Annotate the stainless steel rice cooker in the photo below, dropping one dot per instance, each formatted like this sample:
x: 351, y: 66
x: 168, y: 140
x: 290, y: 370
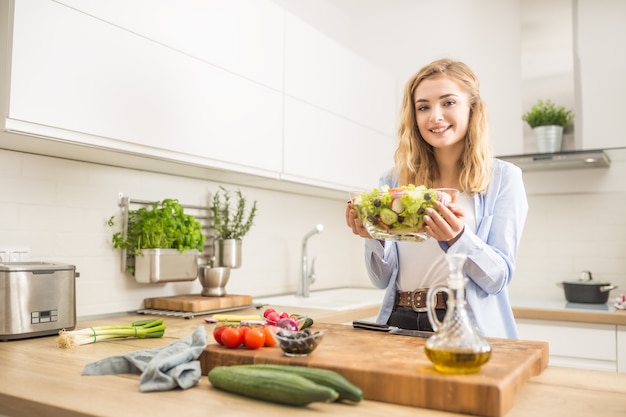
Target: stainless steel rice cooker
x: 38, y: 299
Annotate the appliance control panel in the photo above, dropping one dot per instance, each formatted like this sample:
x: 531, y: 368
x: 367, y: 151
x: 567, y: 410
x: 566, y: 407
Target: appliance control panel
x: 47, y: 316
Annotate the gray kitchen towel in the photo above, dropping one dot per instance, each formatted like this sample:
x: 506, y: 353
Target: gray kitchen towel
x: 162, y: 369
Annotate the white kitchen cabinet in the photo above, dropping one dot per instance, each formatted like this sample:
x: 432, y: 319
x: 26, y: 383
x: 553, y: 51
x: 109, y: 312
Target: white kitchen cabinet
x: 323, y: 73
x: 81, y: 79
x: 324, y: 149
x: 600, y: 71
x: 244, y: 37
x: 339, y: 113
x: 621, y: 348
x: 201, y: 84
x: 573, y: 344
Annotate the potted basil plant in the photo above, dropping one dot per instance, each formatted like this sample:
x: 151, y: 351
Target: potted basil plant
x: 547, y: 121
x: 162, y: 242
x: 233, y: 217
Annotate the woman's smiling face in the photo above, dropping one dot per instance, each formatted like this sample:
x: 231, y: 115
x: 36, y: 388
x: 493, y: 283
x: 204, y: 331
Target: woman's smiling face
x: 442, y: 111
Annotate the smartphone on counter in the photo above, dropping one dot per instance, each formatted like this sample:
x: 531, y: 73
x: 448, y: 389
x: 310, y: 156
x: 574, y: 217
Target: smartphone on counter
x: 370, y: 325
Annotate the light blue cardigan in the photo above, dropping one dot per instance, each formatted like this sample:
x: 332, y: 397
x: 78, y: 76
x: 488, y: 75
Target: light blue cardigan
x: 500, y: 216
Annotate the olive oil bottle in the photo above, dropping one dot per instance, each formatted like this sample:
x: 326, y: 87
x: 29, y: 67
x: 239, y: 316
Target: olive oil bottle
x: 460, y: 362
x: 457, y: 347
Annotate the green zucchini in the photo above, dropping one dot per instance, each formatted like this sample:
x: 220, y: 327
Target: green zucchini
x: 270, y: 385
x: 331, y: 379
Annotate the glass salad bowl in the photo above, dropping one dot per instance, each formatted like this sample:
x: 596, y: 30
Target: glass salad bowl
x: 398, y: 213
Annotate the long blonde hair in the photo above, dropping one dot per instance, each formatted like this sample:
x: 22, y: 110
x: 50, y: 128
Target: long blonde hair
x: 414, y: 158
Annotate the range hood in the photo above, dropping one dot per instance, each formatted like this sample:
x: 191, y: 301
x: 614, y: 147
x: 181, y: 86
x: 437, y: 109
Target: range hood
x: 560, y: 160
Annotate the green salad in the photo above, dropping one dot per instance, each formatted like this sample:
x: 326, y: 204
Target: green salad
x: 398, y: 212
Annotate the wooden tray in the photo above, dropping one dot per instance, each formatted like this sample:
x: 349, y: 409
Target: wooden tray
x: 394, y: 369
x: 197, y: 303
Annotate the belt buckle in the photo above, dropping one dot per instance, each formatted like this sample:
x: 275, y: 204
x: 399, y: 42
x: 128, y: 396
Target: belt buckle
x: 412, y: 301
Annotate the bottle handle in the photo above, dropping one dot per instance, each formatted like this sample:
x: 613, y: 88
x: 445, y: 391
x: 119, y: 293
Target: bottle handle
x: 431, y: 303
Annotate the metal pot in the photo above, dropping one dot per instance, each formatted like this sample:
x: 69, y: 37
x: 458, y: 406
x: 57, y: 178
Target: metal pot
x: 586, y: 290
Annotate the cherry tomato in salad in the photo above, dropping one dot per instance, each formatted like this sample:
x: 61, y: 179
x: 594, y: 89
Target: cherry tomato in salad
x: 232, y: 337
x: 254, y: 338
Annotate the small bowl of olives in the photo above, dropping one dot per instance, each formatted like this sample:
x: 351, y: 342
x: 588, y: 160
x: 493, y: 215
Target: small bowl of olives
x: 299, y: 343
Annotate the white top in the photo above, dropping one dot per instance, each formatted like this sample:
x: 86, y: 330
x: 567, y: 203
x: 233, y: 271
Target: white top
x: 413, y: 272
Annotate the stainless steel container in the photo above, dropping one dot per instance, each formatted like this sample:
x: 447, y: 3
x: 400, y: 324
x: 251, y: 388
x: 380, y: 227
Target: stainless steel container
x: 155, y: 266
x: 38, y: 299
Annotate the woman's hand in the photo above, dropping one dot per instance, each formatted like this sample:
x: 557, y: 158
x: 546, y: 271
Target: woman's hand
x: 354, y: 223
x: 447, y: 225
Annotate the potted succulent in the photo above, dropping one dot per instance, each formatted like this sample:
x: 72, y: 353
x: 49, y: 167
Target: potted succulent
x: 547, y: 121
x: 161, y: 241
x: 232, y: 219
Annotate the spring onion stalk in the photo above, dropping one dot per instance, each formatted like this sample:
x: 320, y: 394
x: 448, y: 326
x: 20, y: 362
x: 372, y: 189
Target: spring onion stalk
x: 139, y: 329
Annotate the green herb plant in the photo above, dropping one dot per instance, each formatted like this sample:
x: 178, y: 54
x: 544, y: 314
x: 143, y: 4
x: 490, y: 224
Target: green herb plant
x: 547, y: 114
x: 162, y: 225
x: 232, y: 220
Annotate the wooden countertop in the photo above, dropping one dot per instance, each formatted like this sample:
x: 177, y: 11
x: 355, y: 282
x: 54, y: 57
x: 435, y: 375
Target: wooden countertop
x: 556, y: 308
x: 40, y: 379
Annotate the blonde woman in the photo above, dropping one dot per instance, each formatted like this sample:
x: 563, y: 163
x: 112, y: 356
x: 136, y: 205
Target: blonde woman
x: 444, y: 144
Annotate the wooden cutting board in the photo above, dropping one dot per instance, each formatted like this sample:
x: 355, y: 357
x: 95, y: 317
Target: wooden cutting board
x: 195, y: 303
x: 394, y: 369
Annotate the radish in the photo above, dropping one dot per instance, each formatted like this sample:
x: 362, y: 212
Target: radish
x: 397, y: 206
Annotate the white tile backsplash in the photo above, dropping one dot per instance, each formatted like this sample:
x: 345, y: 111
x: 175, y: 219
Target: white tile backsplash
x: 568, y: 231
x: 59, y: 209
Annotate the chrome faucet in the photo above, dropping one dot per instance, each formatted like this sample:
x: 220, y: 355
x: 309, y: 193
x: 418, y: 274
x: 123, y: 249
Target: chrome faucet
x: 307, y: 277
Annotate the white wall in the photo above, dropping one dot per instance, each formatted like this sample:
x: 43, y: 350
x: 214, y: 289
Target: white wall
x: 575, y: 222
x: 59, y: 210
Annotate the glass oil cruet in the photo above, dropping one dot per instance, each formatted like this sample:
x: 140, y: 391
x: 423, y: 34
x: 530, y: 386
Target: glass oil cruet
x: 457, y: 347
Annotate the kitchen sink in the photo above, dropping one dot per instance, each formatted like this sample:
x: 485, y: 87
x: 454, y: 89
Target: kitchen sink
x: 338, y: 299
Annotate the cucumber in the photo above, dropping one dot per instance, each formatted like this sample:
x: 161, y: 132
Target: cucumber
x: 270, y: 385
x: 388, y: 216
x: 331, y: 379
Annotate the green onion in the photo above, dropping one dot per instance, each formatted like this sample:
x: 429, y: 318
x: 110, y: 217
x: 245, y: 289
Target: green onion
x: 139, y: 329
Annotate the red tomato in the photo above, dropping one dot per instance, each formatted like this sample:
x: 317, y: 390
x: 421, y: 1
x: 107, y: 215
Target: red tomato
x: 244, y: 330
x: 232, y: 337
x: 269, y: 338
x: 217, y: 333
x: 254, y: 338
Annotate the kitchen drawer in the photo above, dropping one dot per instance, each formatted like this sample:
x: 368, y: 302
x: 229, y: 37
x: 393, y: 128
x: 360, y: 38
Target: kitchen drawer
x: 583, y: 345
x: 621, y: 348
